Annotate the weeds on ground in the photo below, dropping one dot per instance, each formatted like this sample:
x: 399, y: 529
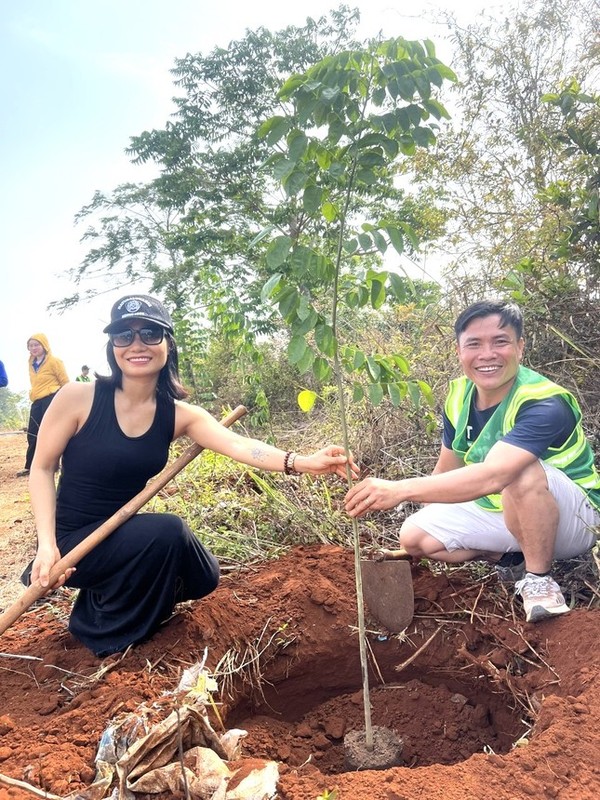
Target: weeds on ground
x: 243, y: 515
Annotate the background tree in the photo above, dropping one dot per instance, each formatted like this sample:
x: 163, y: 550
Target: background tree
x: 190, y: 234
x: 513, y: 169
x: 14, y: 409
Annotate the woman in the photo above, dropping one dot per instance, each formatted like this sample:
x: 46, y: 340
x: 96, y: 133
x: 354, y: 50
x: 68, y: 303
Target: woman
x: 47, y: 374
x: 112, y: 436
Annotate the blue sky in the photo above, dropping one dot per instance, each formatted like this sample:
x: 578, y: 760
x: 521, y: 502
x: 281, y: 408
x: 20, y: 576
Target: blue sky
x: 79, y: 78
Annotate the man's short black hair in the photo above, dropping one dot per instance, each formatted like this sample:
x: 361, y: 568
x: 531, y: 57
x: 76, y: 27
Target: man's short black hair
x: 509, y: 313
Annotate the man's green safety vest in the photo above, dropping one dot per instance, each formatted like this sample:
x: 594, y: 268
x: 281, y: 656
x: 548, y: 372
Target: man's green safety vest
x: 575, y: 457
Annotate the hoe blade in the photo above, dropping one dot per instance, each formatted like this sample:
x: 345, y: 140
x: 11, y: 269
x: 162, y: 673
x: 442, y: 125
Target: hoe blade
x: 388, y: 592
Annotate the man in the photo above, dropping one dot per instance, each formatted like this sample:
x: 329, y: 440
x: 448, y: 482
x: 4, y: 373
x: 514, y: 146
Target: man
x: 515, y: 481
x: 85, y: 375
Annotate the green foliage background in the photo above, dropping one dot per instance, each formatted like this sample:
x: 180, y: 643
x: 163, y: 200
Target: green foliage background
x: 503, y: 202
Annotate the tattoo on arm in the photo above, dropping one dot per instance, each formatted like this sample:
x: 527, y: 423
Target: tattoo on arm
x: 258, y: 454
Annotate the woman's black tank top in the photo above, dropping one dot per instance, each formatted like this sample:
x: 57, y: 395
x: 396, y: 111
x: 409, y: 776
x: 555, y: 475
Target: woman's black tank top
x: 102, y: 468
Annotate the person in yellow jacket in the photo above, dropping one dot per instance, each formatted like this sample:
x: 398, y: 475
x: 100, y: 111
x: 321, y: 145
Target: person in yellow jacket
x: 515, y: 482
x: 47, y: 374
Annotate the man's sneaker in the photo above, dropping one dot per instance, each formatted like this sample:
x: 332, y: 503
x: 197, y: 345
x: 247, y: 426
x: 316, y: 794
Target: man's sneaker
x: 510, y: 568
x: 542, y: 597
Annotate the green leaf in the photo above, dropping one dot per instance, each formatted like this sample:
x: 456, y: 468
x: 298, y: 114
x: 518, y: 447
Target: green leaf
x: 306, y: 400
x: 366, y: 176
x: 427, y: 393
x: 372, y: 158
x: 283, y: 168
x: 374, y: 368
x: 307, y: 324
x: 375, y: 392
x: 359, y: 359
x: 377, y: 294
x: 389, y: 145
x: 273, y: 129
x: 269, y: 288
x: 329, y: 211
x: 424, y: 137
x: 396, y: 239
x: 296, y: 349
x: 306, y: 361
x: 292, y: 83
x: 357, y: 393
x: 325, y: 339
x: 260, y: 236
x: 411, y: 235
x: 289, y: 300
x: 321, y: 369
x: 311, y: 199
x: 380, y: 241
x: 294, y: 182
x: 401, y: 363
x: 415, y: 394
x: 324, y: 159
x: 278, y: 251
x: 330, y: 93
x: 363, y: 296
x: 365, y: 241
x: 423, y: 84
x: 394, y: 394
x: 304, y: 308
x: 297, y: 144
x: 399, y: 286
x: 407, y: 145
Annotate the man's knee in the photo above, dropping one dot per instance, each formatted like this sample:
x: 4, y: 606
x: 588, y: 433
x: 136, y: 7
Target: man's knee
x: 530, y: 482
x: 413, y: 538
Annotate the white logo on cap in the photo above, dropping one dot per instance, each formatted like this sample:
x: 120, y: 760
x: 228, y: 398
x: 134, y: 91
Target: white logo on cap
x: 132, y: 306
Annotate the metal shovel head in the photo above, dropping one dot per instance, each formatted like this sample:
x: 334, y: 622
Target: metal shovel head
x: 388, y: 593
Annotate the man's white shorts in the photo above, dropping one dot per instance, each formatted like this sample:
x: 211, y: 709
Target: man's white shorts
x: 467, y: 526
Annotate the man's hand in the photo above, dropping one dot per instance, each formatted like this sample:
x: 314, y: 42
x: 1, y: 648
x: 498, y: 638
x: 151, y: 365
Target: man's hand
x: 373, y: 494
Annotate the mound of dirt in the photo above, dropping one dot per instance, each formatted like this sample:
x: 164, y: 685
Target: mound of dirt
x: 486, y: 706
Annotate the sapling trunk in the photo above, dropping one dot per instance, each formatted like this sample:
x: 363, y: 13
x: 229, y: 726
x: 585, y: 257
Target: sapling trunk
x: 364, y: 665
x: 360, y: 605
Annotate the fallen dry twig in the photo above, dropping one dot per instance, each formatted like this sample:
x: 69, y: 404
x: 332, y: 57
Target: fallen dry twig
x: 408, y: 661
x: 27, y: 787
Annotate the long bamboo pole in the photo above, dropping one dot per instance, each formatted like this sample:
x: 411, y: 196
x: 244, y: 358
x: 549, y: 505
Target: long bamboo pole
x: 74, y: 556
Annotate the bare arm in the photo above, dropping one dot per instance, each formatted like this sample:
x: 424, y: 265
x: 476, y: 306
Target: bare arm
x: 454, y: 485
x: 204, y: 429
x: 447, y: 461
x: 60, y: 423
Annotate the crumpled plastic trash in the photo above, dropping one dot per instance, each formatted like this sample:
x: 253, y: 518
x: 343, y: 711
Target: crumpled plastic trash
x: 204, y: 772
x: 180, y: 753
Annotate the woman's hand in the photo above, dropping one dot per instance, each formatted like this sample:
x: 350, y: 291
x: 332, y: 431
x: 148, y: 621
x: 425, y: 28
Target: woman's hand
x: 46, y: 557
x: 331, y: 459
x: 373, y: 494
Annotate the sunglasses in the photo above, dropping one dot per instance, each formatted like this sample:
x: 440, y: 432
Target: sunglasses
x: 125, y: 337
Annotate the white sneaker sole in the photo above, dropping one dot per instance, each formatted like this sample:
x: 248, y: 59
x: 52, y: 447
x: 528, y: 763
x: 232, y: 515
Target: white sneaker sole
x: 538, y: 613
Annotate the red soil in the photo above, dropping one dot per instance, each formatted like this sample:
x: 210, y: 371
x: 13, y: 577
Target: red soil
x: 491, y: 708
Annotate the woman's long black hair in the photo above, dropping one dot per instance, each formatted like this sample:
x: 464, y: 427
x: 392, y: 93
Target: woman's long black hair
x: 169, y: 382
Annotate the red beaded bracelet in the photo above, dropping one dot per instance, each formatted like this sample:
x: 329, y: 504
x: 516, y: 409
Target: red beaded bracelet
x: 288, y: 462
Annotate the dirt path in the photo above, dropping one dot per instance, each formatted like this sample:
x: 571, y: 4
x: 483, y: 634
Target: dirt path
x: 17, y: 537
x: 490, y: 709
